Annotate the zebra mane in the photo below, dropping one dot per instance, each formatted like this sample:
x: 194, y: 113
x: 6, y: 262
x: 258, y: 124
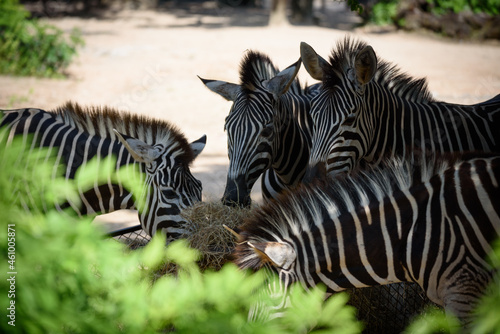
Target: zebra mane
x: 101, y: 121
x: 296, y: 211
x: 256, y: 67
x: 388, y: 75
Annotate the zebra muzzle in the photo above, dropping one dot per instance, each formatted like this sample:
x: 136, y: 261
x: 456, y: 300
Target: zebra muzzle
x: 236, y: 192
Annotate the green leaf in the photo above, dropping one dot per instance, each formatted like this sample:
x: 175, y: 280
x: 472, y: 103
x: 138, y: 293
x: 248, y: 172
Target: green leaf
x: 154, y: 253
x: 180, y: 253
x: 96, y: 171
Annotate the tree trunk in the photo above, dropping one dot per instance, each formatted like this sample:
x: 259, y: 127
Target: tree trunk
x: 302, y: 11
x: 278, y: 15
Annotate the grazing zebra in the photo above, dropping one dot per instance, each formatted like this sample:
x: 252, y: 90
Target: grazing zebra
x: 158, y: 150
x: 431, y: 223
x: 368, y: 108
x: 268, y: 128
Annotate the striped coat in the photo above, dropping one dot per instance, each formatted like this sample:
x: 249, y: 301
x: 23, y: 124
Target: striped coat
x: 156, y: 149
x: 367, y: 108
x: 432, y: 223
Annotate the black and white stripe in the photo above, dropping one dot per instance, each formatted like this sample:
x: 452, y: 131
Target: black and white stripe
x: 155, y: 148
x: 268, y: 128
x: 368, y: 108
x: 431, y: 223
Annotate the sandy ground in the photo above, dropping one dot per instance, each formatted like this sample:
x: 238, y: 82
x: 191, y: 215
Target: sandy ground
x: 147, y: 62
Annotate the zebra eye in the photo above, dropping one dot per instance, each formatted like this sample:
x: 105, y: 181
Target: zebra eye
x: 349, y: 120
x: 168, y: 193
x: 261, y: 147
x: 267, y: 131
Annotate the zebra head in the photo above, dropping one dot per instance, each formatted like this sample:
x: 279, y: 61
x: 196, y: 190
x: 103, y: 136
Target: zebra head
x: 262, y: 244
x: 169, y: 184
x: 341, y: 134
x: 252, y: 123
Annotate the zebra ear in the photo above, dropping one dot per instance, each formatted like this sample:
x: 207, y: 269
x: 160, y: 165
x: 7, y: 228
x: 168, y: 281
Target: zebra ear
x: 313, y: 62
x: 198, y: 145
x: 138, y: 149
x: 365, y: 65
x: 281, y: 82
x: 227, y: 90
x: 281, y: 255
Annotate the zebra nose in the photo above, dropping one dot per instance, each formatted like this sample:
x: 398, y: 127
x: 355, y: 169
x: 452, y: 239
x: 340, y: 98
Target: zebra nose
x: 236, y: 193
x: 315, y: 172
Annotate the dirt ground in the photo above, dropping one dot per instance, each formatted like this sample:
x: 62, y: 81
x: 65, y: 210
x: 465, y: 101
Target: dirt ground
x: 147, y: 62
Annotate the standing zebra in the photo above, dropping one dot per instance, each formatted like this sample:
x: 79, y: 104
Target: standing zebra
x: 368, y: 108
x: 431, y: 223
x: 268, y: 128
x: 156, y: 148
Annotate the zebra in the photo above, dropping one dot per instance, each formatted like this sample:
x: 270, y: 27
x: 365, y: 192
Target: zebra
x: 368, y: 108
x: 431, y: 222
x: 268, y: 128
x: 76, y: 134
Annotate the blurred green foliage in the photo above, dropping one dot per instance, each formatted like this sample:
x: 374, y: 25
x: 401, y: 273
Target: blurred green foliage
x: 384, y: 12
x: 68, y: 278
x: 488, y: 310
x: 440, y: 7
x: 30, y: 47
x: 434, y: 321
x: 354, y: 6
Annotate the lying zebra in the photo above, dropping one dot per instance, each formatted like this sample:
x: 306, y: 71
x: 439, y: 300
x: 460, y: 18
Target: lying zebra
x: 431, y: 223
x: 156, y: 148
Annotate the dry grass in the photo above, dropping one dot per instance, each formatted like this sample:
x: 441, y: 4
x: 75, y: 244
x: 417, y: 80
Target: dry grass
x: 208, y: 235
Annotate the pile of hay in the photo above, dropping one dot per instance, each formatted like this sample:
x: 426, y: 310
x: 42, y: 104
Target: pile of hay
x: 208, y: 234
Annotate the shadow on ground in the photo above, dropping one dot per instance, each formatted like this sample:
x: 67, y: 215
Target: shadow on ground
x: 198, y: 13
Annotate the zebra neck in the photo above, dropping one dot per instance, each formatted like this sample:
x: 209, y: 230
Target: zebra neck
x: 110, y: 190
x: 292, y: 142
x: 70, y: 149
